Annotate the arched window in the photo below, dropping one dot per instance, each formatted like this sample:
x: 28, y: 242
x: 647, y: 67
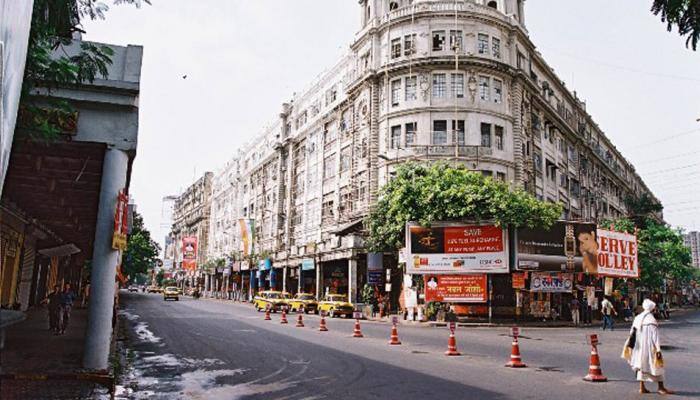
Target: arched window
x: 493, y: 4
x: 393, y: 5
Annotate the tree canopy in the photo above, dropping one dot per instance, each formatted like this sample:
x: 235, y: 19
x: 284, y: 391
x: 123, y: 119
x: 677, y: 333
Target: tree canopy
x: 660, y: 250
x: 439, y: 192
x: 141, y: 251
x: 683, y: 14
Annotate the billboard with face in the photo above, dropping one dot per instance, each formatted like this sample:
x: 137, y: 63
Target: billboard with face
x: 566, y: 246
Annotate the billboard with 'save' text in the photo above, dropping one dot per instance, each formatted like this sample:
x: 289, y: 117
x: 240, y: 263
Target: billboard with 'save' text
x: 446, y: 248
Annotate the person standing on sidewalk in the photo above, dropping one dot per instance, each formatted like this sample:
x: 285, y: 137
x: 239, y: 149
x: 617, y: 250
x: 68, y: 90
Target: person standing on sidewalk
x: 608, y: 310
x: 86, y: 295
x: 575, y: 311
x: 53, y: 302
x: 67, y: 299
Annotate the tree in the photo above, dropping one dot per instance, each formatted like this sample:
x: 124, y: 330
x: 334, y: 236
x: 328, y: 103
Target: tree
x: 141, y: 251
x: 661, y: 252
x: 439, y: 192
x: 684, y: 14
x: 48, y: 65
x: 642, y: 208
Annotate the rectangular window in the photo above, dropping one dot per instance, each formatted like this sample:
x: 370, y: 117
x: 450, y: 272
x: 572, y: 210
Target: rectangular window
x: 329, y: 167
x: 497, y: 91
x: 499, y: 137
x: 395, y: 92
x: 439, y: 85
x: 440, y: 132
x: 409, y: 45
x: 486, y: 173
x: 500, y: 176
x: 438, y: 40
x: 395, y: 48
x: 485, y: 135
x: 395, y: 140
x: 458, y: 129
x: 457, y: 86
x: 496, y: 47
x: 456, y: 41
x: 483, y: 43
x: 411, y: 88
x: 410, y: 133
x: 484, y: 88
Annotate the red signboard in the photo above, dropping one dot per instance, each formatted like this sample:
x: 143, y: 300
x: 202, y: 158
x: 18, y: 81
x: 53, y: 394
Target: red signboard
x: 456, y: 288
x: 189, y: 253
x: 617, y: 254
x: 518, y: 280
x: 121, y: 224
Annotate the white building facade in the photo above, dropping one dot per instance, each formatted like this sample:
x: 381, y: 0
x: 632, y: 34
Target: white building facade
x: 692, y: 241
x: 424, y: 80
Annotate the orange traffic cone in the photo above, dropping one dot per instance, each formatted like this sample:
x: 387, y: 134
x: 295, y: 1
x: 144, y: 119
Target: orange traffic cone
x: 515, y: 360
x: 394, y: 336
x: 283, y: 319
x: 322, y: 326
x: 452, y: 346
x: 267, y: 314
x: 595, y: 374
x: 300, y: 321
x: 357, y: 332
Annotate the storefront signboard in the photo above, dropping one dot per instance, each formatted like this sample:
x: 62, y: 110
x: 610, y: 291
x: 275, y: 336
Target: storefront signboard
x: 552, y: 282
x: 307, y: 264
x: 518, y: 280
x: 456, y: 288
x: 446, y: 248
x: 617, y: 254
x: 121, y: 225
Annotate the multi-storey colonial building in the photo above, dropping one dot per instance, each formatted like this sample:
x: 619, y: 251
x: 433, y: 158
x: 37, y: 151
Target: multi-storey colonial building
x: 692, y: 241
x: 424, y: 80
x: 191, y: 220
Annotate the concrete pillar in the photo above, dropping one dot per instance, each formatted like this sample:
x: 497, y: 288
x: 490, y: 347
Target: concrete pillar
x: 284, y: 278
x: 300, y: 276
x: 352, y: 280
x: 104, y: 263
x: 319, y: 286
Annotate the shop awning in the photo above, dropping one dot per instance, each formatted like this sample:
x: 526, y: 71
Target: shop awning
x: 350, y: 227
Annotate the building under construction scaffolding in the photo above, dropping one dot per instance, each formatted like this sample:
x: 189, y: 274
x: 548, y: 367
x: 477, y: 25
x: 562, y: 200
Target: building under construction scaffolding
x: 424, y: 80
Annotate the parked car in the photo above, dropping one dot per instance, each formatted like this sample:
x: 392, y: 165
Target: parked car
x: 153, y: 289
x: 336, y: 304
x: 304, y: 301
x: 270, y: 298
x: 171, y: 292
x: 133, y: 288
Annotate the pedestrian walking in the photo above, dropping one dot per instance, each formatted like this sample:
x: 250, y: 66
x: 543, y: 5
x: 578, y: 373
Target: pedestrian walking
x: 86, y: 295
x: 586, y: 311
x: 608, y: 310
x: 645, y: 358
x: 575, y: 311
x: 663, y: 310
x: 67, y: 299
x: 627, y: 310
x: 53, y: 302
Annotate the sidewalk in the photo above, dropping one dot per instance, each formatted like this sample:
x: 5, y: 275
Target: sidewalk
x: 46, y: 363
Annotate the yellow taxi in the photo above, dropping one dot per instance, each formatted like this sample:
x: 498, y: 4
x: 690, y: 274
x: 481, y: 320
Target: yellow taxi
x: 171, y: 292
x: 270, y: 299
x: 305, y: 301
x: 336, y: 304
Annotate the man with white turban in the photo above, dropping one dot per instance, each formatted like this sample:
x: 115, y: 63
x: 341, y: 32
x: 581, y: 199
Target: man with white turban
x: 647, y: 348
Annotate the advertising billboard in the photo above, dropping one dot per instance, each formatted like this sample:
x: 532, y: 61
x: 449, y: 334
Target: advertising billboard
x: 189, y: 253
x: 247, y: 228
x: 551, y: 282
x: 446, y: 248
x: 566, y: 246
x: 456, y: 288
x: 617, y: 254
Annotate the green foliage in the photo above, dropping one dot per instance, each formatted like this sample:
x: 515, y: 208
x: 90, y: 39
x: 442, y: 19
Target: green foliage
x: 141, y: 251
x: 212, y: 264
x: 48, y: 65
x: 661, y: 252
x: 160, y: 277
x: 368, y: 295
x: 684, y: 14
x: 438, y: 192
x: 642, y: 208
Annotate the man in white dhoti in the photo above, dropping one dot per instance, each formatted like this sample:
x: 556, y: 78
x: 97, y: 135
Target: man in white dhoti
x: 646, y: 358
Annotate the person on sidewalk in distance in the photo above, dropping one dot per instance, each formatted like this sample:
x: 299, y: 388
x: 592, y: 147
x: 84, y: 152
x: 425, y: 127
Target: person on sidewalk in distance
x: 646, y: 359
x: 663, y: 310
x: 607, y: 310
x: 53, y: 302
x: 575, y: 311
x: 627, y: 310
x: 67, y: 299
x: 86, y: 295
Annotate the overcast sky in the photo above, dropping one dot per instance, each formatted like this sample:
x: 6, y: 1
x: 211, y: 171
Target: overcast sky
x: 243, y: 58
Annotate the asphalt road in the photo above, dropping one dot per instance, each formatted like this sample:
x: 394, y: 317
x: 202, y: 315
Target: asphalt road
x: 206, y: 349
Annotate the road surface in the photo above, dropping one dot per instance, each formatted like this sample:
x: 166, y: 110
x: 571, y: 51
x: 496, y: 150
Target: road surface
x: 208, y: 349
